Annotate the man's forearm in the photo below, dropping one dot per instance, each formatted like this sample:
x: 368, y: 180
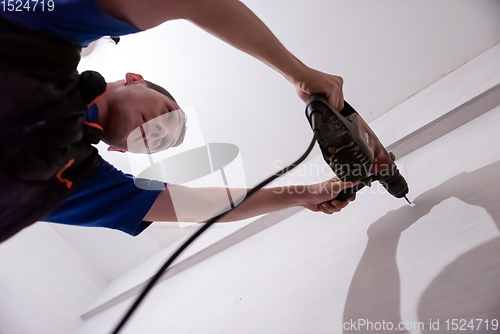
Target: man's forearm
x: 186, y: 204
x: 180, y: 203
x: 264, y: 201
x: 232, y: 22
x: 228, y: 20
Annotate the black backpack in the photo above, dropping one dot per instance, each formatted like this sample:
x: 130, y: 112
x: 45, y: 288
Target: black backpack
x: 45, y: 143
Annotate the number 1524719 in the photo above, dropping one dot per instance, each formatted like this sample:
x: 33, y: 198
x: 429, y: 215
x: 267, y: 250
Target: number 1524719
x: 27, y: 5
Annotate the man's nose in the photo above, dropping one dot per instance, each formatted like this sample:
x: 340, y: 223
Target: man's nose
x: 159, y: 130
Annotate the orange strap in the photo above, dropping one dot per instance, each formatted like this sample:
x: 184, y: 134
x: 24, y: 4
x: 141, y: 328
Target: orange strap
x: 68, y: 183
x: 94, y: 125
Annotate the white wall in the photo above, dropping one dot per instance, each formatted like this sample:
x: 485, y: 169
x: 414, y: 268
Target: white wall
x: 379, y: 259
x: 45, y: 285
x: 112, y: 253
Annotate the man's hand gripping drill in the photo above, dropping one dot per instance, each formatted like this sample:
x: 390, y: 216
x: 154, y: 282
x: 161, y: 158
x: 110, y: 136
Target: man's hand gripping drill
x: 351, y: 148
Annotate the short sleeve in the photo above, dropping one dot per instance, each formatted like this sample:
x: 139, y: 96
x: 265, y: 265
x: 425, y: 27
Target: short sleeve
x: 109, y: 198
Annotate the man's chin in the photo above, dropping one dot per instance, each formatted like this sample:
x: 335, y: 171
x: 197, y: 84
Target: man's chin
x: 144, y: 150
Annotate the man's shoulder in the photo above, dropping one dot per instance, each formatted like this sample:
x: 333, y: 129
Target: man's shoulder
x: 77, y: 21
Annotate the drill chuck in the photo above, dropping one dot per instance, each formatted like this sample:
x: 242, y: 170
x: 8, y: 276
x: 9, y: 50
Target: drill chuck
x: 395, y: 184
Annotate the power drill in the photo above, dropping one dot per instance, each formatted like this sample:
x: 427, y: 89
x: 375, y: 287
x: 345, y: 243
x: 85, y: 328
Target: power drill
x: 352, y: 150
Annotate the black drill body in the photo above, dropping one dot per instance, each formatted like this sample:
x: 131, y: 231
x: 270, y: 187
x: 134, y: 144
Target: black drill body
x: 346, y: 151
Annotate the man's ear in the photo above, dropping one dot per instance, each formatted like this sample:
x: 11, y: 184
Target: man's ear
x: 133, y: 78
x: 114, y: 149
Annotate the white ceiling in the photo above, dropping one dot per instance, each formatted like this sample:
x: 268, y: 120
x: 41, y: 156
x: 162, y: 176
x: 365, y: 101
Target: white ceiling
x: 386, y: 51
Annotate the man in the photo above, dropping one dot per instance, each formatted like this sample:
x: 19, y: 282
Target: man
x: 109, y: 198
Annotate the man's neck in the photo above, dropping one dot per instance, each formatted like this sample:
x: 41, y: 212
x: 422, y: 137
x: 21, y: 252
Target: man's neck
x: 102, y: 103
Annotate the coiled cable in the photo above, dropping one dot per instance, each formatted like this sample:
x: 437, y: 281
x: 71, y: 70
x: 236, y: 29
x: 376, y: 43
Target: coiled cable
x: 160, y: 272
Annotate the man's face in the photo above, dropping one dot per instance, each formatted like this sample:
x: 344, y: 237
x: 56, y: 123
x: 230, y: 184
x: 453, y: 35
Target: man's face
x: 149, y: 121
x: 157, y: 134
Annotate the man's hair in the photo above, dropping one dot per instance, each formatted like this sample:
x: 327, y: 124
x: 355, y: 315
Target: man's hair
x: 163, y: 91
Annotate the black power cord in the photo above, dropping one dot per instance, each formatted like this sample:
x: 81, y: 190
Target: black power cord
x: 160, y: 272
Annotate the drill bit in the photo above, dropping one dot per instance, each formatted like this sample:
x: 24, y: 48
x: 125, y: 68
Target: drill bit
x: 406, y: 198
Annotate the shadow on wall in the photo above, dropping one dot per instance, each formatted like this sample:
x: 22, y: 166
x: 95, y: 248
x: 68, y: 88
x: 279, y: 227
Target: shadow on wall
x: 468, y: 288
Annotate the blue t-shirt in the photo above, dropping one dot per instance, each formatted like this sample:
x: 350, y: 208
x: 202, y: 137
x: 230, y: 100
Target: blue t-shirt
x: 77, y: 21
x: 109, y: 198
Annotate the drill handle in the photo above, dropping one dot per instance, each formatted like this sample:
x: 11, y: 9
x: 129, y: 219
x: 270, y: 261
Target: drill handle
x: 348, y: 192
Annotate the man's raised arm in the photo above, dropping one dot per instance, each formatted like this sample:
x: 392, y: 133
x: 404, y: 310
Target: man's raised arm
x: 232, y: 22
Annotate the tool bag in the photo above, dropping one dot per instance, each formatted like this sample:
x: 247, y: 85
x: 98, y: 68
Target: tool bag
x: 45, y: 143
